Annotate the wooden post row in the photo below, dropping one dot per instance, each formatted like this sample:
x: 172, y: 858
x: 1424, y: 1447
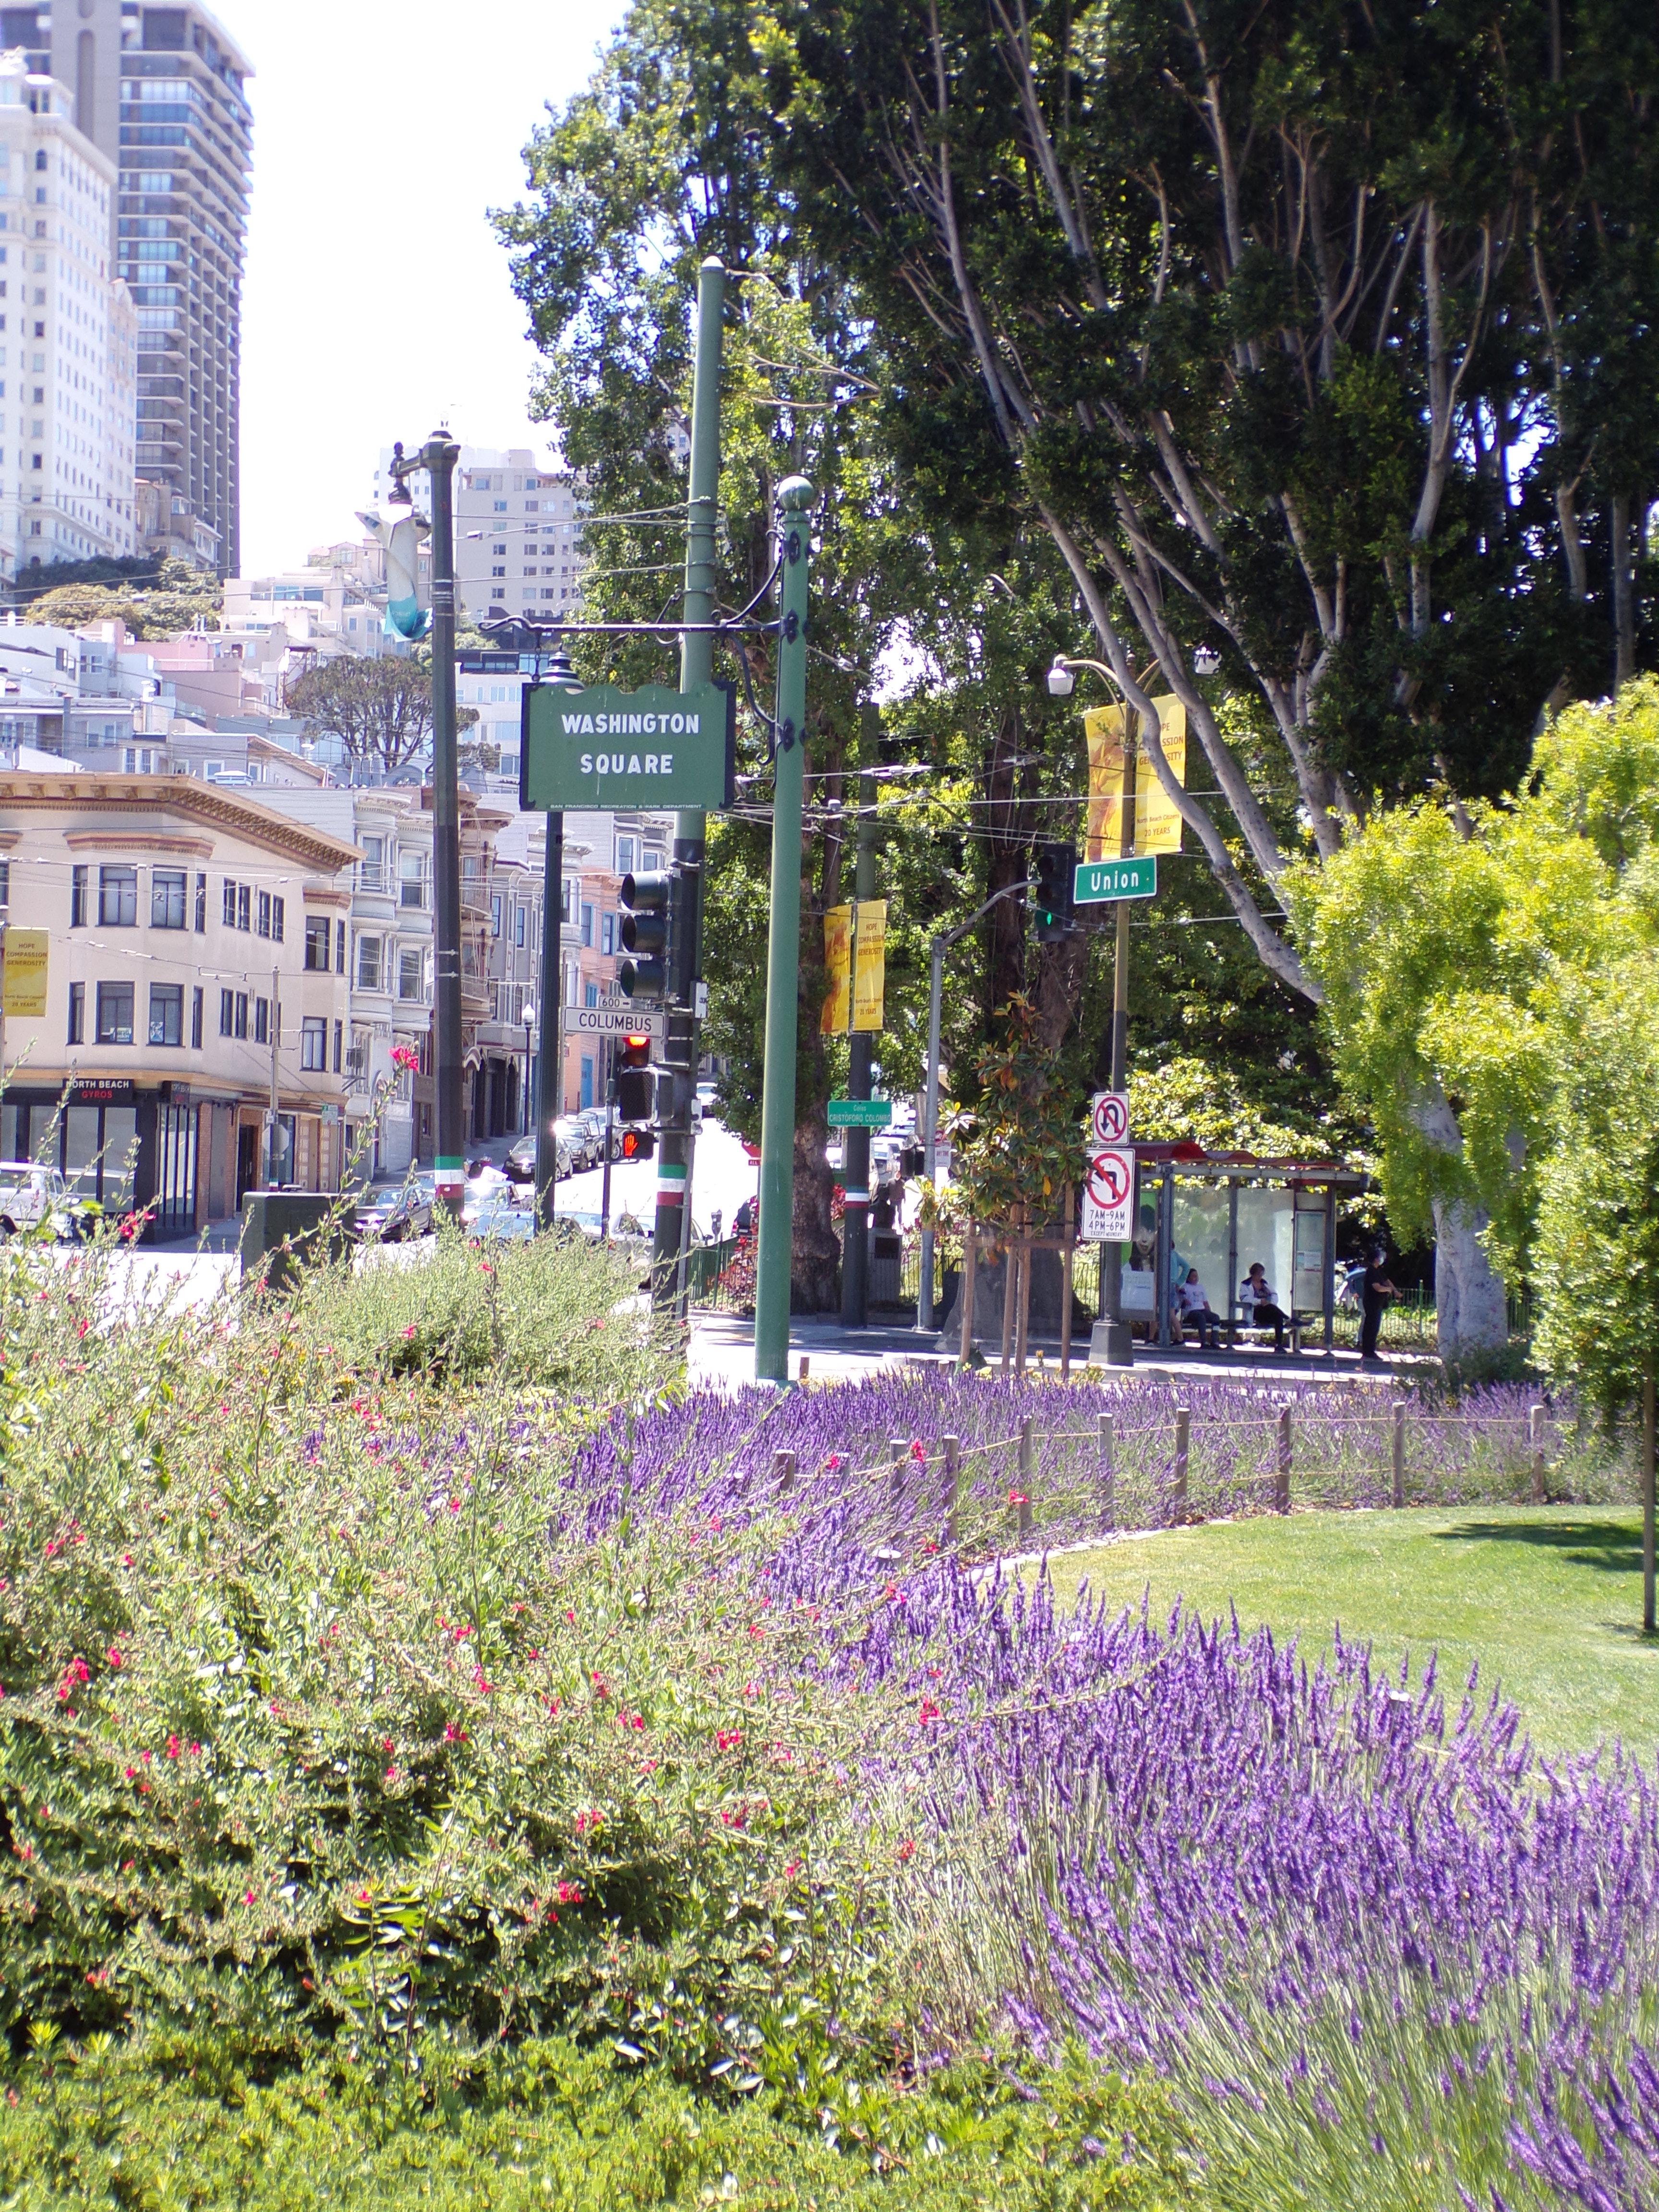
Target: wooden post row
x: 1282, y: 1476
x: 1399, y: 1451
x: 1108, y: 1476
x: 952, y: 1451
x: 1025, y: 1462
x: 1183, y: 1438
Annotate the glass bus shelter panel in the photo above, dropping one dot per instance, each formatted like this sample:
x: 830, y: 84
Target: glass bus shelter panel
x: 1310, y: 1279
x: 1266, y: 1231
x: 1201, y: 1240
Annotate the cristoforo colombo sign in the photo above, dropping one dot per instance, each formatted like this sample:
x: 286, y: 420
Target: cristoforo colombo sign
x: 601, y: 747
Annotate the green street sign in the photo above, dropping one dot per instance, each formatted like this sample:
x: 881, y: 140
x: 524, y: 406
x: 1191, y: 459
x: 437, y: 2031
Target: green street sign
x: 602, y: 747
x: 860, y: 1113
x: 1097, y: 881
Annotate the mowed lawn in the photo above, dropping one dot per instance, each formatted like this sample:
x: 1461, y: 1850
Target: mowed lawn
x: 1547, y: 1600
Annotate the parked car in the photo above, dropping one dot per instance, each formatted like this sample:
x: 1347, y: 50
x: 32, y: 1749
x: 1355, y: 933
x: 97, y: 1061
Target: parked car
x: 396, y: 1212
x: 593, y: 1117
x: 31, y: 1193
x: 522, y: 1159
x: 579, y: 1139
x: 495, y: 1214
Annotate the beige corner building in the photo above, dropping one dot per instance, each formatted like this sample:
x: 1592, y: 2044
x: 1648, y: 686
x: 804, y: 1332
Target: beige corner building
x: 196, y: 973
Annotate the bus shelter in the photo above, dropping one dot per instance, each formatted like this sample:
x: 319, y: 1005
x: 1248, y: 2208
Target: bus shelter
x: 1219, y: 1213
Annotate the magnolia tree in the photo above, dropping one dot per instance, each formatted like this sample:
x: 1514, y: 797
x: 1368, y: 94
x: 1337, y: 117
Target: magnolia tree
x: 1458, y: 948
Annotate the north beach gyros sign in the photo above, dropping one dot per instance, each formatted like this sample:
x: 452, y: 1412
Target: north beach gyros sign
x: 603, y: 747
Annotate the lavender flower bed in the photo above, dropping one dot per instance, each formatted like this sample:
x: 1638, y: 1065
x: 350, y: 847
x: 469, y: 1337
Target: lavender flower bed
x: 720, y: 1450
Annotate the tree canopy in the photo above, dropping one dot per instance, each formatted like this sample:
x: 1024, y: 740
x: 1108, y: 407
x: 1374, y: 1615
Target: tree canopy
x: 379, y: 709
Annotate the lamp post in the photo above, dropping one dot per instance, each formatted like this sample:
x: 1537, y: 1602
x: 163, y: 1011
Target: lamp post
x: 1114, y: 1340
x: 529, y: 1024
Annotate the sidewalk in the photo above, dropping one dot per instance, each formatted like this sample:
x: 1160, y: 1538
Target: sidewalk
x: 722, y: 1350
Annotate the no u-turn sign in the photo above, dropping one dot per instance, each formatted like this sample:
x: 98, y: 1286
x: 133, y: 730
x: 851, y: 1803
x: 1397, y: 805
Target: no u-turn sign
x: 1109, y: 1189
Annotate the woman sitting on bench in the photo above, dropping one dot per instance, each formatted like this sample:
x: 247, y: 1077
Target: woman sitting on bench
x: 1259, y: 1306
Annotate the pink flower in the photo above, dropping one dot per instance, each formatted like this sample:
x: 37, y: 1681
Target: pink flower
x: 114, y: 1658
x: 174, y: 1746
x: 728, y: 1739
x: 929, y: 1714
x: 411, y: 1331
x: 452, y: 1733
x: 391, y: 1775
x: 250, y: 1897
x: 918, y: 1449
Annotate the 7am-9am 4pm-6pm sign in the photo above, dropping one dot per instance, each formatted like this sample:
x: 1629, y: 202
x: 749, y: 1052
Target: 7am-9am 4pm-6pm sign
x: 603, y: 747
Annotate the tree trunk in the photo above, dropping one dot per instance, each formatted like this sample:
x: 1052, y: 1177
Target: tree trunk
x: 1471, y: 1307
x: 815, y: 1248
x: 1624, y: 595
x: 1648, y: 1501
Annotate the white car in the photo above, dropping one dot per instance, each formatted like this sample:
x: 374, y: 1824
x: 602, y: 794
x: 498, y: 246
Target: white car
x: 29, y: 1193
x: 496, y: 1216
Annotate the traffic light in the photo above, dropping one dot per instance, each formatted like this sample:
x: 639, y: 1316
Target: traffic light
x: 638, y: 1144
x: 1056, y: 878
x: 636, y: 1087
x: 647, y: 898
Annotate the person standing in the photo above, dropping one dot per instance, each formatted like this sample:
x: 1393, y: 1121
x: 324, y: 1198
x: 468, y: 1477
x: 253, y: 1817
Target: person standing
x: 1374, y: 1291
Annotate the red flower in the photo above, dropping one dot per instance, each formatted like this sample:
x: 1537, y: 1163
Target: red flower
x: 114, y: 1657
x: 453, y: 1734
x: 728, y: 1739
x: 918, y: 1449
x: 174, y: 1746
x: 929, y: 1712
x: 907, y: 1851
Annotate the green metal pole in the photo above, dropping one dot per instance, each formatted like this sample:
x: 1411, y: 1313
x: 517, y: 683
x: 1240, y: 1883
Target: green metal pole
x: 777, y: 1166
x: 691, y: 825
x: 855, y: 1156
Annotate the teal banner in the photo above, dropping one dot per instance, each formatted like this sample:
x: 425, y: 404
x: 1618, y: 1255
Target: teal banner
x: 602, y: 747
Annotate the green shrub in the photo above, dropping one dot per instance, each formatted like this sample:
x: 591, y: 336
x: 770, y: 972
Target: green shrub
x: 174, y: 2126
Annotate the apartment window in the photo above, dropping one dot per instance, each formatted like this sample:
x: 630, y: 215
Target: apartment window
x: 607, y: 932
x: 262, y: 1021
x: 317, y: 937
x: 115, y: 1013
x: 494, y: 914
x: 201, y: 905
x: 654, y: 860
x: 117, y: 901
x: 167, y: 891
x: 313, y: 1045
x: 196, y: 998
x: 227, y: 1013
x: 78, y: 898
x: 77, y: 1013
x: 5, y: 866
x: 518, y: 913
x: 409, y: 972
x: 278, y: 912
x: 339, y: 948
x: 411, y: 880
x: 368, y: 964
x: 587, y: 926
x: 590, y: 994
x: 624, y: 856
x: 339, y: 1044
x: 238, y: 905
x: 263, y: 929
x: 166, y: 1013
x: 371, y: 876
x: 571, y: 890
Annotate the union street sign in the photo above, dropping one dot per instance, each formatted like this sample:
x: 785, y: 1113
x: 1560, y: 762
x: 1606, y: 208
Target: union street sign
x: 603, y: 747
x: 1097, y: 881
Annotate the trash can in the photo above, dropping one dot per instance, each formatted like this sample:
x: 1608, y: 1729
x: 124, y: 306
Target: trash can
x: 298, y: 1219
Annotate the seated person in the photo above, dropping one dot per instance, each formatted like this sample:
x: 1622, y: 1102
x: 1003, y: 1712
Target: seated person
x: 1195, y: 1308
x: 1261, y: 1307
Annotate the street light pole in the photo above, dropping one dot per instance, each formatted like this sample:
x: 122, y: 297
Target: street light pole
x: 438, y: 457
x: 777, y: 1164
x: 855, y: 1143
x: 672, y: 1228
x: 529, y: 1024
x: 1112, y: 1339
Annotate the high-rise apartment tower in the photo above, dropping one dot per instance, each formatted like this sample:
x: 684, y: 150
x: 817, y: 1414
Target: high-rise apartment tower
x: 160, y: 91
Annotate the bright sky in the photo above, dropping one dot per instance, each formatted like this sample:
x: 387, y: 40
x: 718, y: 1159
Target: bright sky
x: 377, y: 303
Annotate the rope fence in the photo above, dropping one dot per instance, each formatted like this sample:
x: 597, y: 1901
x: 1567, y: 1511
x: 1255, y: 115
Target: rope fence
x: 982, y: 1497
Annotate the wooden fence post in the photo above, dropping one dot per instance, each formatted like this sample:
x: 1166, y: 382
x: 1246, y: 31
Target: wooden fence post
x: 900, y: 1449
x: 1025, y: 1460
x: 783, y: 1472
x: 1184, y: 1433
x: 1282, y: 1476
x: 1108, y: 1474
x: 1399, y: 1451
x: 1536, y: 1438
x: 952, y: 1450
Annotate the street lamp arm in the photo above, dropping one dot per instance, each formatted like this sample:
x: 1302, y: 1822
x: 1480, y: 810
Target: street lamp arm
x: 1008, y: 890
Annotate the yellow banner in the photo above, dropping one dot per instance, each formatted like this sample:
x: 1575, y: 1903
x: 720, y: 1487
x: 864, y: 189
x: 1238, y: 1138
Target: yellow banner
x: 26, y: 973
x: 1157, y: 820
x: 837, y: 971
x: 870, y: 970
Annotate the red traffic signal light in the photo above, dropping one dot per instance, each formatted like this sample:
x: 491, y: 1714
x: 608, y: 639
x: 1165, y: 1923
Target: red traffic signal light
x: 636, y: 1087
x: 638, y: 1144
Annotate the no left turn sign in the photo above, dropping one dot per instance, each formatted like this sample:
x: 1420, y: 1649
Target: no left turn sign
x: 1108, y: 1195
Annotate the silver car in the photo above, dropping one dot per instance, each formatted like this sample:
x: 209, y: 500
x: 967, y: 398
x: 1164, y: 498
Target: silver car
x: 577, y: 1134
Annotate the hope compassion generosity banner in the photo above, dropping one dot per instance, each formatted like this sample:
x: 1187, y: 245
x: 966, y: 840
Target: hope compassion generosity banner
x: 603, y: 747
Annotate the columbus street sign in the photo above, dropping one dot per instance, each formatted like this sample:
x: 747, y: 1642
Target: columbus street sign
x: 602, y: 747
